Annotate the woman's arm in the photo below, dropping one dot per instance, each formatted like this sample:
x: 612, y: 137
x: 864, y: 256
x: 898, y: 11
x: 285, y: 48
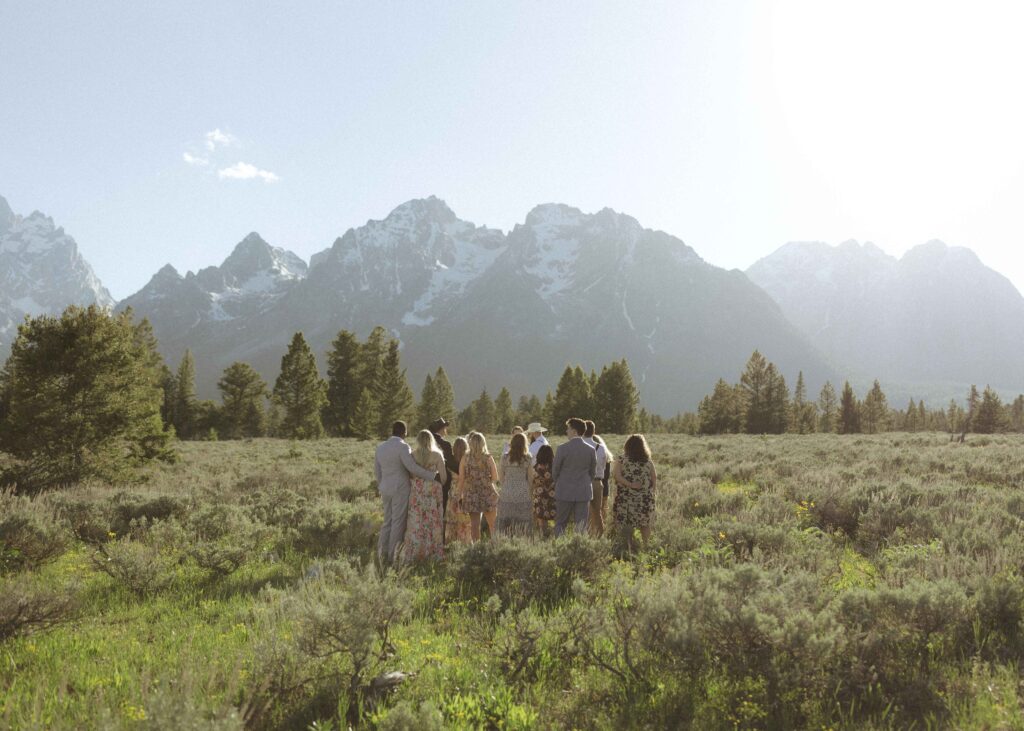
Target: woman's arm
x: 654, y: 478
x: 494, y: 469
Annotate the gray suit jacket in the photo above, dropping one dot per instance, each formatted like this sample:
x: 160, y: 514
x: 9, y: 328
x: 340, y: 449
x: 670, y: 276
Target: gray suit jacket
x: 394, y: 464
x: 574, y: 470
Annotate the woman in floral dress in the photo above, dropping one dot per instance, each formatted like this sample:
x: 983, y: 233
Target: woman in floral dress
x: 515, y: 510
x: 636, y: 484
x: 458, y: 525
x: 543, y: 490
x: 424, y: 529
x: 477, y: 475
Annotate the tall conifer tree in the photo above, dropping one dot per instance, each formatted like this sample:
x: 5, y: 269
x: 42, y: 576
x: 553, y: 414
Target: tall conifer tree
x: 344, y: 384
x: 300, y: 392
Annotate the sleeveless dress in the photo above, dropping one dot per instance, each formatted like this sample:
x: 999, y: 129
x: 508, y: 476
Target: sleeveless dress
x: 458, y: 527
x: 479, y: 495
x: 424, y: 529
x: 515, y: 509
x: 634, y: 508
x: 543, y: 493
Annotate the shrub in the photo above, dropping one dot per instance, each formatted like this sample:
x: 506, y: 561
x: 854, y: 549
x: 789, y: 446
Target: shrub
x: 339, y: 636
x: 521, y: 571
x: 26, y: 607
x: 127, y: 507
x: 406, y: 716
x: 88, y: 517
x: 140, y: 568
x: 223, y: 538
x: 333, y: 529
x: 30, y: 535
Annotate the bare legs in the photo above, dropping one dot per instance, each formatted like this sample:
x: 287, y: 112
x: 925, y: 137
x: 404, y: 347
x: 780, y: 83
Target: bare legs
x: 475, y: 523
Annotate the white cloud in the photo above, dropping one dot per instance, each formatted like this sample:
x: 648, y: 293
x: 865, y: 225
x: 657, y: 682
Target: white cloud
x: 195, y: 160
x: 216, y: 138
x: 245, y: 171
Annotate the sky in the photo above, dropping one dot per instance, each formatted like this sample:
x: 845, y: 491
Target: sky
x: 166, y: 132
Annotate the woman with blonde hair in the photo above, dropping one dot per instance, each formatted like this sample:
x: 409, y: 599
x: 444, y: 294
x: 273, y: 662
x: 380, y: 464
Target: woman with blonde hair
x: 477, y: 475
x: 424, y: 532
x: 514, y: 506
x: 457, y: 525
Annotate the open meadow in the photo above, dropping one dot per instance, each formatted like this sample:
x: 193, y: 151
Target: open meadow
x: 821, y: 581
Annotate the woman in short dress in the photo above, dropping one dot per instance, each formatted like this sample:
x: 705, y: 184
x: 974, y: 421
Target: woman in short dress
x: 424, y: 530
x: 636, y: 483
x: 458, y: 523
x: 543, y: 490
x: 515, y: 510
x: 477, y: 475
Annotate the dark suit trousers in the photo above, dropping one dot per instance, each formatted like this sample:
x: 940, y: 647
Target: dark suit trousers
x: 577, y: 510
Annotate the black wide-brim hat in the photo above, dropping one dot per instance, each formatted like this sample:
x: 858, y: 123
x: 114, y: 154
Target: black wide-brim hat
x: 438, y: 424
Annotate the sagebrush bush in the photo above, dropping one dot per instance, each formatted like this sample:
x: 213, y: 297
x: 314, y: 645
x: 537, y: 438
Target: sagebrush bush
x: 26, y: 606
x: 141, y: 568
x: 333, y: 529
x: 127, y: 507
x: 30, y: 534
x: 521, y: 571
x: 340, y: 628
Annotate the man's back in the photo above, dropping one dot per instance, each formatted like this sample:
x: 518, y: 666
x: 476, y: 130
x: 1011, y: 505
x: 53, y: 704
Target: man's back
x: 573, y: 471
x: 393, y: 463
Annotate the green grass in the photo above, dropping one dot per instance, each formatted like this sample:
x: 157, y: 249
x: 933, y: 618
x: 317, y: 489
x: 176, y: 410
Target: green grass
x: 898, y: 526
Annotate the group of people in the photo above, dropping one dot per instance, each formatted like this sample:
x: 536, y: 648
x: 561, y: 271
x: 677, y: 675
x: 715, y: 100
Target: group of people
x: 439, y: 492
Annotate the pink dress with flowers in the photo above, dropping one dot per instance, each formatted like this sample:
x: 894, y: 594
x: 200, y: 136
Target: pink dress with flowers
x: 424, y: 528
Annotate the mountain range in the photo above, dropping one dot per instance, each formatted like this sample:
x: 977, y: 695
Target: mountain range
x: 562, y: 287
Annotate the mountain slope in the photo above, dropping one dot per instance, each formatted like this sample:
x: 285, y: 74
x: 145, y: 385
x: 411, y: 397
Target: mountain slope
x: 41, y: 272
x: 503, y: 310
x: 936, y: 315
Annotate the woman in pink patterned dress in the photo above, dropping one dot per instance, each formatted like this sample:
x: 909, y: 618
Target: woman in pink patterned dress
x: 424, y: 529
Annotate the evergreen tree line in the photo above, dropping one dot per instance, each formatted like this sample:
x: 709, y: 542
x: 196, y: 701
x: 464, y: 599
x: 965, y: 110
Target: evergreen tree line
x: 366, y: 390
x: 761, y: 403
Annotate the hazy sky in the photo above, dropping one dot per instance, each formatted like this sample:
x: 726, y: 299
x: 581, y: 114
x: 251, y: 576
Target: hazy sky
x: 158, y: 132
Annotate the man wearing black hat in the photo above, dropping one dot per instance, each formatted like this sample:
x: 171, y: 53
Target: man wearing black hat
x: 439, y: 427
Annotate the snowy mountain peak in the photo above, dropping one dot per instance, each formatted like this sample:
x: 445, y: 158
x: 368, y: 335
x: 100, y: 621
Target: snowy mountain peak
x: 253, y: 256
x: 418, y: 209
x: 41, y: 271
x: 7, y: 218
x: 554, y: 214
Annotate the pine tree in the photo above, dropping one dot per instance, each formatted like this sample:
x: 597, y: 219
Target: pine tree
x: 827, y: 406
x: 956, y: 419
x: 483, y: 413
x: 910, y: 418
x: 344, y: 384
x: 1016, y: 422
x: 757, y: 390
x: 721, y: 412
x: 805, y: 413
x: 615, y: 399
x: 989, y: 417
x: 243, y: 393
x: 444, y: 396
x: 300, y: 392
x: 849, y: 411
x: 778, y: 401
x: 922, y: 417
x: 504, y: 416
x: 82, y: 398
x: 363, y: 421
x: 427, y: 409
x: 185, y: 397
x: 973, y: 401
x: 548, y: 411
x: 572, y: 396
x: 391, y: 391
x: 874, y: 411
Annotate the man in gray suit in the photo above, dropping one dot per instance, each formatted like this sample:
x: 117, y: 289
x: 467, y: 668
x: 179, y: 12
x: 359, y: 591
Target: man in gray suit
x: 392, y: 466
x: 573, y: 472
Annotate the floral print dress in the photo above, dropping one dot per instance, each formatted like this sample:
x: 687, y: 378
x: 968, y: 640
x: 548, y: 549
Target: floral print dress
x: 479, y: 495
x: 514, y: 506
x: 543, y: 493
x: 634, y: 508
x: 458, y: 526
x: 424, y: 528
